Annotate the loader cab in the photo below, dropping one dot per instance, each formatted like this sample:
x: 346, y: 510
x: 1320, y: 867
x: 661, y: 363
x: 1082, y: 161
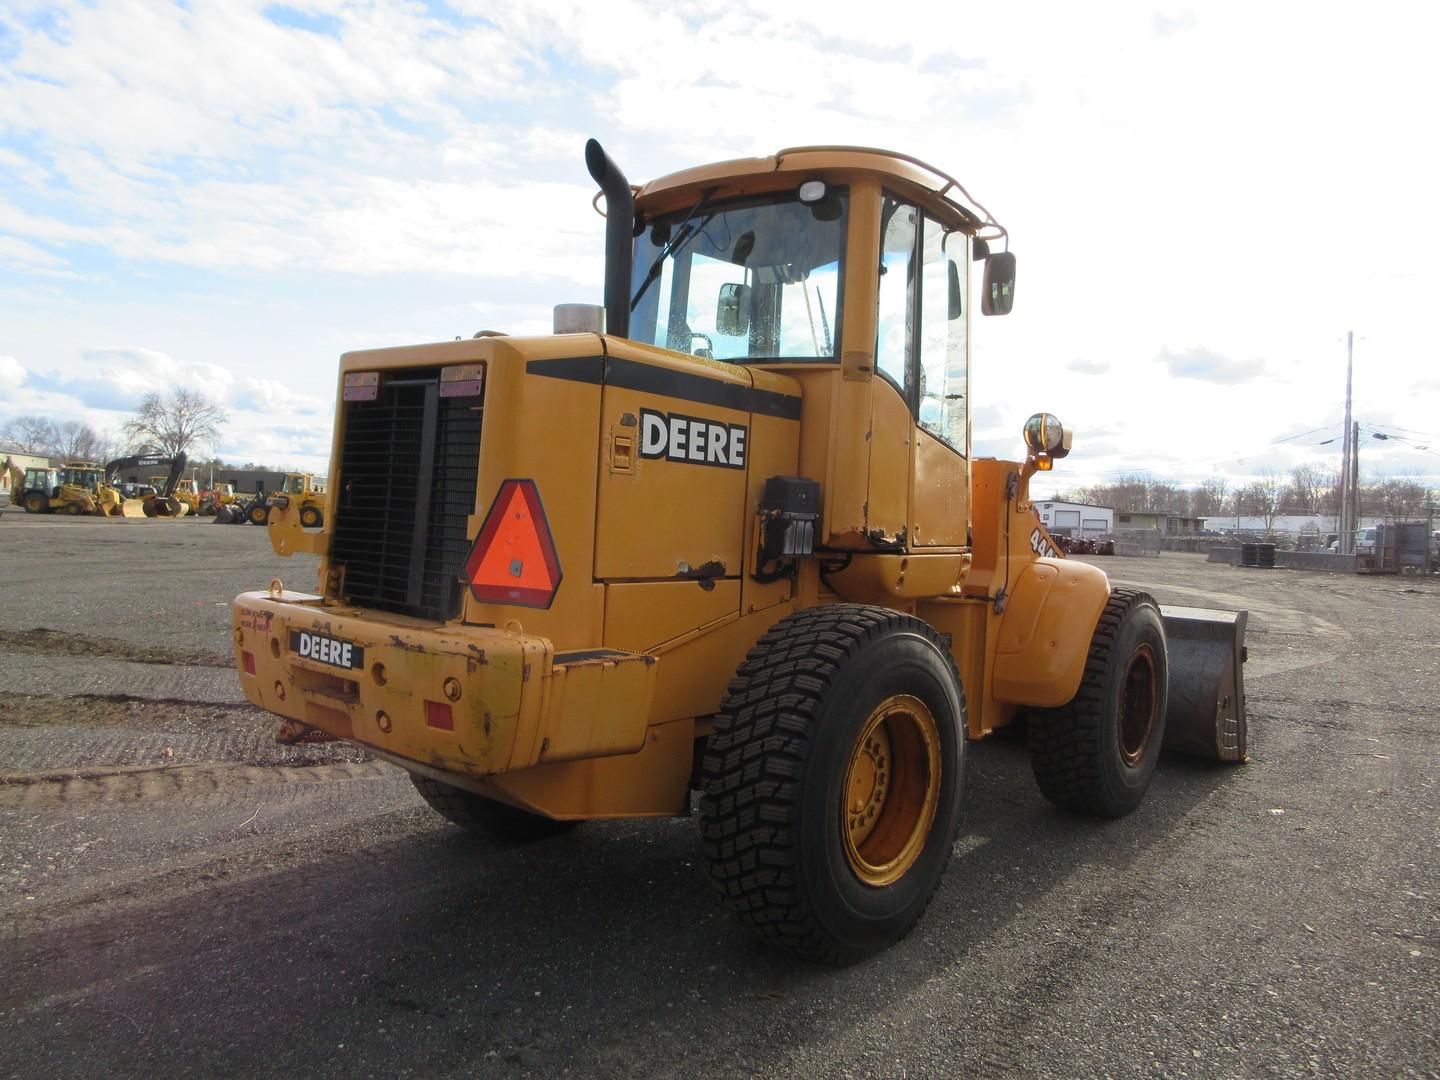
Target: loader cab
x: 849, y: 270
x: 82, y: 475
x: 46, y: 481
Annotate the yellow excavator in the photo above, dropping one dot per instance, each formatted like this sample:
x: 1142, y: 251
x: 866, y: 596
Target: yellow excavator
x: 728, y: 534
x: 163, y: 502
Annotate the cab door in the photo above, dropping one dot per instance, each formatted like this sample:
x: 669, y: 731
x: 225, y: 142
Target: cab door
x: 922, y: 353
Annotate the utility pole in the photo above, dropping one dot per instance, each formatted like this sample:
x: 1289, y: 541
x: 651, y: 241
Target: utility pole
x: 1347, y: 494
x: 1354, y: 481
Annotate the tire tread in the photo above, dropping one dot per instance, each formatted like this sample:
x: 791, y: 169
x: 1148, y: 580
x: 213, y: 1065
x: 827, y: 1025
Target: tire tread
x: 756, y: 756
x: 1065, y: 741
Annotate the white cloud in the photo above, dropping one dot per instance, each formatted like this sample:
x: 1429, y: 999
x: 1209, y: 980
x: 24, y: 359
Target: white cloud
x: 1170, y: 173
x: 270, y: 396
x: 12, y: 374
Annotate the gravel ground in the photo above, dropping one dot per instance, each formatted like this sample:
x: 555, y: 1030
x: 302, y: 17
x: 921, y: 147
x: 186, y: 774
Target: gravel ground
x: 183, y: 896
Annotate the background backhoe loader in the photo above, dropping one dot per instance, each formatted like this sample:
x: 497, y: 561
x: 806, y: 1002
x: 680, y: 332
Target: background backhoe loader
x: 727, y: 534
x: 75, y: 488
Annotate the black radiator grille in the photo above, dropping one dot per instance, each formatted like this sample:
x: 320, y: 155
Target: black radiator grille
x: 408, y: 455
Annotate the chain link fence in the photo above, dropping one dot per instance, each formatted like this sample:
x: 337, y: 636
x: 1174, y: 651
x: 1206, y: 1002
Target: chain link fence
x: 1141, y: 543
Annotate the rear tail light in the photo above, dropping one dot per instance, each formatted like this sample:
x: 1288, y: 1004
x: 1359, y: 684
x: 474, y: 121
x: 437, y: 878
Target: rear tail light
x: 247, y: 660
x: 514, y: 559
x: 438, y: 715
x: 362, y: 386
x: 462, y: 380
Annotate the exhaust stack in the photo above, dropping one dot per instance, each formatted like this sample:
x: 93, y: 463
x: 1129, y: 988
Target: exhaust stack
x: 619, y: 234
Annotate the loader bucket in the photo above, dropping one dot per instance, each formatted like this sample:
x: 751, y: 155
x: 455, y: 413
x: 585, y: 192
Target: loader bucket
x: 130, y: 508
x: 1206, y: 711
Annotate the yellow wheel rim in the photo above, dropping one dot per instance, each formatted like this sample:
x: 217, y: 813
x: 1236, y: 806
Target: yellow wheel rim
x: 892, y: 787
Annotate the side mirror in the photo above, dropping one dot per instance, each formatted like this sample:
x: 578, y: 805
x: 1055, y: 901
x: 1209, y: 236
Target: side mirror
x: 999, y: 295
x: 732, y: 313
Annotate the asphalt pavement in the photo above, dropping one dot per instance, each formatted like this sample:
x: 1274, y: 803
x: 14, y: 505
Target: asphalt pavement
x: 180, y: 896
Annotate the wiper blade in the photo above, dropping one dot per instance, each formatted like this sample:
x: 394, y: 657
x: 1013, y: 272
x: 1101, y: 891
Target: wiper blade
x: 678, y: 241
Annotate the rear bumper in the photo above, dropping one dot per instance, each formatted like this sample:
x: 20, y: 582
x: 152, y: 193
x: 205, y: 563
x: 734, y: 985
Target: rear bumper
x: 460, y: 699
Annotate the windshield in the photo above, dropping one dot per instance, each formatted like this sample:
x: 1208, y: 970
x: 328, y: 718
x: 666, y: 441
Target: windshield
x: 86, y: 478
x: 749, y: 279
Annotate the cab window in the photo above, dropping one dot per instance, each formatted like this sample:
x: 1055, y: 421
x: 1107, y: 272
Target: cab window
x: 921, y: 332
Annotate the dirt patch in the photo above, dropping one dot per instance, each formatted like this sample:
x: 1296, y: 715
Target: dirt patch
x: 60, y: 643
x: 78, y: 736
x: 124, y: 710
x: 134, y: 784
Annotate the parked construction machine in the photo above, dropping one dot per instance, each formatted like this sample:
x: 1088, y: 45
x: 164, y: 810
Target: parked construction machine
x: 75, y: 488
x: 164, y: 502
x: 727, y: 534
x: 32, y: 488
x: 217, y: 499
x: 301, y: 493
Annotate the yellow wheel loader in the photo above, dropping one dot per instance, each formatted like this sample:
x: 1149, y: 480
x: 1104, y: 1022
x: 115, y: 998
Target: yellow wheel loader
x: 186, y: 494
x: 217, y: 500
x: 727, y: 534
x: 301, y: 494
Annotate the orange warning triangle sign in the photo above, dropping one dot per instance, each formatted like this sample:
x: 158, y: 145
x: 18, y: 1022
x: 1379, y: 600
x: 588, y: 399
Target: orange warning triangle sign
x: 514, y: 560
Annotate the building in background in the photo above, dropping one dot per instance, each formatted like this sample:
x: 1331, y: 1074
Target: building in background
x: 21, y: 462
x: 1076, y: 519
x: 1162, y: 521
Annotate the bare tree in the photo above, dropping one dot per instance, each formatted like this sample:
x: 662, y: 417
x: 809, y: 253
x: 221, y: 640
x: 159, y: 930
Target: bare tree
x: 30, y: 435
x: 1396, y: 497
x: 1209, y: 497
x: 175, y: 422
x: 1307, y: 489
x: 108, y: 445
x: 1262, y: 496
x: 75, y: 441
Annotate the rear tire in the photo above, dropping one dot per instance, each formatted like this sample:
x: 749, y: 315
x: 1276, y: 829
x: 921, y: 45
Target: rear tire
x: 36, y: 503
x: 1097, y: 754
x: 481, y: 815
x: 310, y: 517
x: 833, y: 781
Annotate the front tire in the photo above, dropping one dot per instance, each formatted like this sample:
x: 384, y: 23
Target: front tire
x: 833, y: 781
x: 259, y: 514
x: 310, y: 517
x: 1097, y: 754
x: 478, y: 814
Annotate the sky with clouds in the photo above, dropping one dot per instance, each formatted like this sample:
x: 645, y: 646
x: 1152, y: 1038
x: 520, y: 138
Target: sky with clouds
x: 1204, y: 198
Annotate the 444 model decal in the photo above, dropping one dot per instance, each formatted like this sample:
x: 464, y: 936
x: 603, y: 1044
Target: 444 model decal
x: 1042, y: 547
